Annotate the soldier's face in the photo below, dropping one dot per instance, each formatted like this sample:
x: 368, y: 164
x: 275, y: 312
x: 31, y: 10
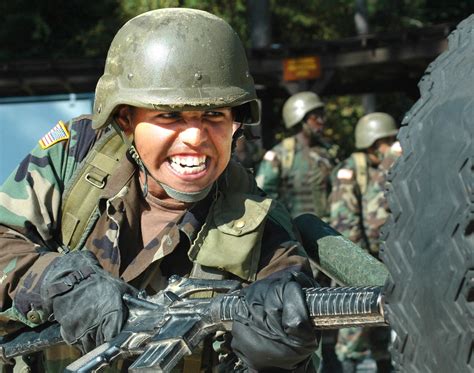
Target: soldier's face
x: 185, y: 150
x: 315, y: 121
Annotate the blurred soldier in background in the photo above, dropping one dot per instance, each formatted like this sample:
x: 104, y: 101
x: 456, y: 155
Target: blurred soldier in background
x: 297, y: 170
x: 248, y: 150
x: 358, y: 210
x: 297, y: 173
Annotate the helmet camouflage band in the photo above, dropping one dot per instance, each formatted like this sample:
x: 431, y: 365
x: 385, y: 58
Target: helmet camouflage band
x: 175, y: 59
x: 298, y: 105
x: 372, y: 127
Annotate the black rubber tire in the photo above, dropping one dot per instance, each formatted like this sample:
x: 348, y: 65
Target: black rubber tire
x: 429, y: 237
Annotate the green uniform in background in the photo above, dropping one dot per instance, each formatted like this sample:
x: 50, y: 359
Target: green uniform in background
x: 302, y: 186
x: 297, y: 170
x: 358, y: 211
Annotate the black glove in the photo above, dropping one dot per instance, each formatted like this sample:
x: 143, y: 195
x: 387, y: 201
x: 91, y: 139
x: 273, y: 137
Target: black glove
x: 274, y: 331
x: 84, y: 299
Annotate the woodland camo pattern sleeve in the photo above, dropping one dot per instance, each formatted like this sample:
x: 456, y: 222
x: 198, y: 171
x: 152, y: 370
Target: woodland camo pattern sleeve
x: 360, y: 217
x: 344, y: 200
x: 268, y: 175
x: 30, y: 204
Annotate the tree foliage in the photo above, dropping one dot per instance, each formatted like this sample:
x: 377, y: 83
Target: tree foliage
x: 55, y: 29
x: 393, y: 15
x: 342, y: 113
x: 78, y: 28
x: 300, y: 22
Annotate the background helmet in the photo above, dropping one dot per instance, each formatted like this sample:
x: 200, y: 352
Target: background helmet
x: 175, y: 59
x: 372, y: 127
x: 298, y: 105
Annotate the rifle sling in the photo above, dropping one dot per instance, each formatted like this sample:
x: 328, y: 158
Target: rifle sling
x: 289, y: 144
x: 360, y: 160
x: 84, y: 190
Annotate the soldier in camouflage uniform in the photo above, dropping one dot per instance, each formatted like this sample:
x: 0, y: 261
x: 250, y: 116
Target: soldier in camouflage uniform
x: 296, y: 171
x: 161, y: 205
x: 358, y: 210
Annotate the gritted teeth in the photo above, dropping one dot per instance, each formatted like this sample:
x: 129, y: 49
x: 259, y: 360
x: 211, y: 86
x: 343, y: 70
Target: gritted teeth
x: 188, y: 164
x: 188, y: 160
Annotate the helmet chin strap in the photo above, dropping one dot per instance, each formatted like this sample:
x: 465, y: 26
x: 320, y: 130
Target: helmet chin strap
x: 186, y: 197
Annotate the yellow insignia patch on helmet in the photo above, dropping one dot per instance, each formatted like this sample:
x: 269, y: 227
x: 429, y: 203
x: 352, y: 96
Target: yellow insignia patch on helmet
x: 345, y: 174
x: 58, y: 133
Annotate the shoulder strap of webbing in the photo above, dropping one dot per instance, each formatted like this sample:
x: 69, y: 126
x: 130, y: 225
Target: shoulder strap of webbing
x: 83, y: 191
x: 360, y: 160
x: 289, y: 145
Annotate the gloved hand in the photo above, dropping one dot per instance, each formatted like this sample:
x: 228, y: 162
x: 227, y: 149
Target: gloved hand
x: 275, y: 331
x: 84, y: 299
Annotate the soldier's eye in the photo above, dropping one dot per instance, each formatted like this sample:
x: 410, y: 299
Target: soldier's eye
x: 214, y: 114
x: 170, y: 115
x: 218, y: 114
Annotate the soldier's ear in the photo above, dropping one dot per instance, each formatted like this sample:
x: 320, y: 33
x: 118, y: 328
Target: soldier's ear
x: 123, y: 117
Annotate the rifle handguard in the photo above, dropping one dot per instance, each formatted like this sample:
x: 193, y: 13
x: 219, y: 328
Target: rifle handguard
x: 329, y: 308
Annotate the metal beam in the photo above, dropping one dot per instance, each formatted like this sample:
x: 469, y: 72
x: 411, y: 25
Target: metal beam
x: 352, y: 65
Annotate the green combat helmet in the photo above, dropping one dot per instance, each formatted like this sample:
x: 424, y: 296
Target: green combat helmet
x: 372, y: 127
x: 298, y: 105
x: 175, y: 59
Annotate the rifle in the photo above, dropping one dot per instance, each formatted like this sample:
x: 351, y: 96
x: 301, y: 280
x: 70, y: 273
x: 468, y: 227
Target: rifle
x: 163, y: 328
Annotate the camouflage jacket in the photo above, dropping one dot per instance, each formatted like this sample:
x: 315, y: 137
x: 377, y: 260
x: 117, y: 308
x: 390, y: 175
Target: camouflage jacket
x: 298, y: 176
x: 359, y: 216
x: 30, y: 207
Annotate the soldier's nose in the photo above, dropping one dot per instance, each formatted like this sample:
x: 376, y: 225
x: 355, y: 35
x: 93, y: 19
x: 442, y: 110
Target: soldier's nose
x: 194, y: 134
